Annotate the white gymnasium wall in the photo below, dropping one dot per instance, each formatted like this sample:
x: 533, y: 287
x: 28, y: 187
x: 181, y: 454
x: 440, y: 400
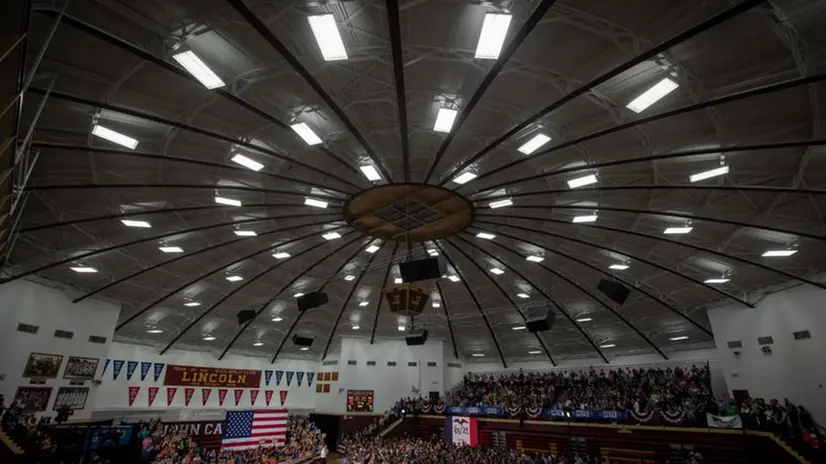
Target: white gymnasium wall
x: 50, y: 309
x: 795, y: 368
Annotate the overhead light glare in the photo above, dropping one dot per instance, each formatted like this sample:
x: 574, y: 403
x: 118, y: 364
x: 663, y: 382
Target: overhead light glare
x: 485, y: 236
x: 364, y: 303
x: 501, y: 203
x: 327, y: 36
x: 444, y: 121
x: 676, y: 339
x: 436, y: 304
x: 209, y: 338
x: 535, y: 259
x: 618, y: 267
x: 247, y: 162
x: 582, y: 181
x: 433, y: 252
x: 778, y: 253
x: 305, y: 348
x: 281, y: 255
x: 372, y: 249
x: 331, y: 235
x: 84, y: 269
x: 349, y: 277
x: 114, y: 137
x: 199, y: 70
x: 609, y: 345
x: 298, y: 295
x: 307, y: 134
x: 523, y: 295
x: 131, y: 223
x: 519, y: 327
x: 227, y: 201
x: 258, y: 344
x: 171, y: 249
x: 465, y: 177
x: 356, y: 326
x: 478, y: 355
x: 497, y: 271
x: 402, y: 328
x: 454, y: 278
x: 370, y: 172
x: 534, y: 144
x: 246, y: 233
x: 397, y: 280
x: 584, y: 319
x: 534, y: 352
x: 315, y: 203
x: 192, y: 304
x: 652, y: 95
x: 721, y: 280
x: 678, y: 230
x: 494, y: 29
x: 277, y: 319
x: 581, y: 219
x: 234, y: 278
x: 154, y: 330
x: 708, y: 174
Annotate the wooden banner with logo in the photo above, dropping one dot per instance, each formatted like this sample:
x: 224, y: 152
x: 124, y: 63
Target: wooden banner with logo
x: 196, y: 376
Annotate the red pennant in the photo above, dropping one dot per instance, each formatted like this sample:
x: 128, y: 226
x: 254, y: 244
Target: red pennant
x: 170, y: 394
x: 133, y: 393
x: 153, y: 393
x: 268, y: 396
x: 222, y: 393
x: 283, y: 395
x: 205, y: 395
x: 253, y: 397
x: 188, y: 392
x: 238, y: 394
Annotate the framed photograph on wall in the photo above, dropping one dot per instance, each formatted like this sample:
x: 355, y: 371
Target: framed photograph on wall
x: 80, y: 368
x: 33, y: 399
x: 43, y: 366
x: 73, y: 397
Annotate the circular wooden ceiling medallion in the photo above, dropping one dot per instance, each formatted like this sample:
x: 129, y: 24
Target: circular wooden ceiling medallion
x: 412, y: 212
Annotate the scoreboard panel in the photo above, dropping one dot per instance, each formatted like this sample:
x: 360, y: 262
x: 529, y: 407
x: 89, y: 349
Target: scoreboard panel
x: 359, y: 400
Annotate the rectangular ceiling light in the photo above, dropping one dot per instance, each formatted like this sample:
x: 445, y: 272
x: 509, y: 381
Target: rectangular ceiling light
x: 454, y: 278
x: 306, y: 134
x: 171, y: 249
x: 650, y: 96
x: 397, y: 280
x: 444, y: 120
x: 721, y: 280
x: 708, y: 174
x: 582, y: 181
x: 778, y: 253
x: 315, y: 203
x: 676, y: 339
x: 584, y: 319
x: 497, y: 271
x: 247, y: 162
x: 114, y: 137
x: 131, y: 223
x: 234, y: 278
x: 364, y: 303
x: 372, y: 249
x: 609, y: 345
x: 494, y: 29
x: 401, y: 328
x: 246, y: 233
x: 298, y: 295
x: 589, y: 218
x: 349, y: 277
x: 534, y: 144
x: 227, y: 201
x: 678, y: 230
x: 281, y: 255
x: 370, y: 172
x: 436, y: 304
x: 331, y: 236
x: 328, y: 38
x: 464, y: 178
x: 535, y: 259
x: 618, y: 267
x: 485, y: 235
x: 433, y: 252
x: 523, y: 295
x: 356, y: 326
x: 84, y: 269
x: 478, y: 355
x: 534, y: 352
x: 199, y: 70
x: 500, y: 203
x: 519, y: 327
x: 192, y: 304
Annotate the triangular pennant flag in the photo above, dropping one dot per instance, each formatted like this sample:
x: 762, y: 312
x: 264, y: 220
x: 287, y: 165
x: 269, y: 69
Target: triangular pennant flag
x: 105, y: 366
x: 267, y: 377
x: 133, y: 393
x: 268, y: 396
x: 310, y: 376
x: 170, y: 394
x: 299, y: 376
x: 145, y: 366
x: 290, y: 375
x: 188, y: 392
x: 153, y: 392
x: 283, y: 395
x: 238, y: 394
x: 205, y: 395
x: 116, y: 367
x: 253, y: 397
x: 158, y: 370
x: 130, y: 369
x: 278, y: 376
x: 222, y: 393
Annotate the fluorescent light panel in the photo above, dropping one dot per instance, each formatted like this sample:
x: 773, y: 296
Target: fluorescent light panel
x: 609, y: 345
x: 364, y: 303
x: 519, y: 327
x: 678, y: 230
x: 277, y: 319
x: 494, y: 29
x: 582, y: 181
x: 246, y: 233
x: 778, y: 253
x: 356, y: 326
x: 535, y: 259
x: 534, y: 144
x: 171, y: 249
x: 114, y: 137
x: 192, y: 304
x: 652, y: 95
x: 436, y: 304
x: 708, y: 174
x: 497, y: 271
x: 478, y: 355
x: 316, y: 203
x: 402, y: 328
x: 432, y: 252
x: 464, y: 178
x: 485, y: 235
x: 298, y: 295
x: 199, y: 70
x: 247, y: 162
x: 131, y: 223
x: 306, y: 134
x: 327, y: 36
x: 397, y: 280
x: 154, y: 331
x: 209, y: 338
x: 721, y: 280
x: 234, y: 278
x: 83, y: 269
x: 372, y: 249
x: 581, y: 219
x: 331, y: 235
x: 676, y: 339
x: 350, y: 277
x: 227, y: 201
x: 370, y: 172
x: 281, y: 255
x: 618, y: 267
x: 523, y: 295
x: 500, y: 203
x: 534, y: 352
x: 258, y: 344
x: 305, y: 348
x: 444, y: 120
x: 585, y: 319
x: 454, y: 278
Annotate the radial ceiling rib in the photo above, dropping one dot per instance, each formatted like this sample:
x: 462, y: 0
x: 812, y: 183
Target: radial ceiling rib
x: 559, y: 307
x: 146, y: 56
x: 381, y: 292
x: 813, y: 79
x: 504, y: 57
x: 90, y: 254
x: 239, y: 188
x: 194, y: 253
x: 623, y: 253
x: 733, y: 188
x: 163, y: 157
x: 268, y: 35
x: 673, y: 242
x: 651, y: 53
x: 464, y: 280
x: 347, y: 300
x: 398, y: 74
x: 734, y: 150
x: 213, y: 271
x: 603, y: 273
x: 502, y: 291
x: 207, y: 133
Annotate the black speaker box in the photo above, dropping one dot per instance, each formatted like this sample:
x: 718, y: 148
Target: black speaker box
x: 422, y: 269
x: 302, y: 341
x: 542, y: 324
x: 311, y: 300
x: 414, y: 340
x: 245, y: 316
x: 614, y: 290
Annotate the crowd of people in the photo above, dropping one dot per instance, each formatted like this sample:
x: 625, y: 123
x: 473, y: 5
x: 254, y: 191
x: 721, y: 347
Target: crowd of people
x: 794, y: 423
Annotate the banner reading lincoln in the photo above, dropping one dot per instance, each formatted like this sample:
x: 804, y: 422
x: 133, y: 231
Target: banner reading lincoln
x: 196, y: 376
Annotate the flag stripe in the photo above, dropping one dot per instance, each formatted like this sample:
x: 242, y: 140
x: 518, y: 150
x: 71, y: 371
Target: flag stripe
x: 253, y: 429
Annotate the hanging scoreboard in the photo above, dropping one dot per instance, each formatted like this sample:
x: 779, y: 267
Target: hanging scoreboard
x: 359, y: 400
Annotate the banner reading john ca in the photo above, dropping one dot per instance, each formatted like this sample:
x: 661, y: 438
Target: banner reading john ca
x: 196, y: 376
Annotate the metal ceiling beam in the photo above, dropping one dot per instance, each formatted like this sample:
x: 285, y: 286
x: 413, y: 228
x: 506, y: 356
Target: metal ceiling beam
x: 733, y: 150
x: 464, y: 280
x: 623, y: 253
x: 197, y: 130
x: 209, y: 273
x: 734, y: 188
x: 347, y: 301
x: 160, y: 62
x: 654, y: 212
x: 150, y: 239
x: 381, y: 292
x: 398, y: 74
x: 163, y: 157
x: 178, y: 186
x: 502, y: 291
x: 190, y: 255
x: 814, y: 79
x: 546, y: 296
x: 506, y: 54
x: 673, y: 242
x: 270, y: 37
x: 585, y: 88
x: 443, y: 301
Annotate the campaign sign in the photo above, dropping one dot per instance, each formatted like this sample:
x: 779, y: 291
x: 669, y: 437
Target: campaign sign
x: 461, y: 430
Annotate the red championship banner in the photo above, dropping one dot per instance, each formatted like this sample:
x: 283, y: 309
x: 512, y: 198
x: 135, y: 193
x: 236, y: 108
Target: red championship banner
x: 133, y: 393
x: 205, y: 395
x: 268, y: 396
x: 283, y: 395
x: 253, y: 397
x: 153, y: 393
x: 170, y: 394
x: 188, y: 392
x: 196, y: 376
x: 238, y: 394
x: 222, y: 393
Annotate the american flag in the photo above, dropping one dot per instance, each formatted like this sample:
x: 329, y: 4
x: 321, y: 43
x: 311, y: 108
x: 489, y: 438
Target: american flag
x: 253, y: 429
